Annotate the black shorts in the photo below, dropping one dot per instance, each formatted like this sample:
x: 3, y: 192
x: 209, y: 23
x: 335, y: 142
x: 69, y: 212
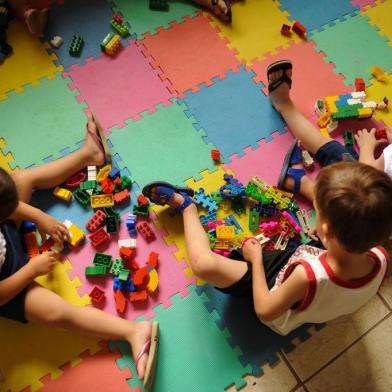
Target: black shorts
x: 273, y: 262
x: 333, y: 152
x: 15, y: 259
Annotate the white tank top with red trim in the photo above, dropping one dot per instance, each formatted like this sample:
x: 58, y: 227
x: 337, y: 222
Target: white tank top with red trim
x: 327, y: 296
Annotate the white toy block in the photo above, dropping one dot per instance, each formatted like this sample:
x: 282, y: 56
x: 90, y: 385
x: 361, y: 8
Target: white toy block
x: 128, y: 243
x: 67, y: 223
x: 56, y: 41
x: 307, y: 159
x: 370, y: 104
x: 353, y: 101
x: 91, y: 173
x: 332, y: 126
x: 361, y: 95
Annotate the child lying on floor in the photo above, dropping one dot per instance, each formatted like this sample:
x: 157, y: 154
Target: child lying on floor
x: 22, y: 299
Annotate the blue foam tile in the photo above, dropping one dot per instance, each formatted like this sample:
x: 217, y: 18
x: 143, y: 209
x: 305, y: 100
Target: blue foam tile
x: 234, y: 113
x: 314, y: 14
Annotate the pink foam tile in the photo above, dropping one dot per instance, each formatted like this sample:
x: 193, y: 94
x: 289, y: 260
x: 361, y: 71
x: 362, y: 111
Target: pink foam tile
x: 190, y: 53
x: 121, y: 87
x: 363, y: 3
x: 172, y: 279
x: 313, y: 78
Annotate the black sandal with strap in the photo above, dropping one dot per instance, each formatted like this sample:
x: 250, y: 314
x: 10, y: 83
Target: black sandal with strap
x: 283, y: 65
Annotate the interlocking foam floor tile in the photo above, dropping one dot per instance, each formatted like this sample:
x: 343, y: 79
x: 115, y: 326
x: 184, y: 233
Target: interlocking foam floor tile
x: 47, y: 119
x: 312, y: 77
x: 234, y: 113
x: 5, y: 159
x: 193, y: 352
x: 140, y: 146
x: 29, y: 62
x: 78, y: 17
x: 252, y: 36
x: 376, y: 92
x: 189, y: 53
x: 380, y: 16
x: 363, y: 3
x: 96, y: 373
x: 314, y: 14
x: 171, y: 277
x: 259, y: 344
x: 143, y: 20
x: 119, y: 88
x: 346, y: 50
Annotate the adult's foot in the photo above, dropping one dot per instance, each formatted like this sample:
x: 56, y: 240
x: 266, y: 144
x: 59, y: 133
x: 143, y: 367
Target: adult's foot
x: 220, y: 8
x: 280, y: 97
x: 36, y: 20
x: 92, y: 146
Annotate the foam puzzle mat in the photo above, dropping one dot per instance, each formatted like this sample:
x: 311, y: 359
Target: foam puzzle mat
x: 183, y: 84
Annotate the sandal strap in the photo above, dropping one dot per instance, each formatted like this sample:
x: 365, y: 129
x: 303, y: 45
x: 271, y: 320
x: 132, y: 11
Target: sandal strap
x: 283, y: 79
x: 145, y: 350
x: 163, y: 195
x: 187, y: 202
x: 296, y: 156
x: 297, y: 174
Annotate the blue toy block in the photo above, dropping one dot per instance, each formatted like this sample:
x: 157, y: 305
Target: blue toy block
x: 205, y: 201
x: 115, y: 172
x: 205, y: 219
x: 28, y: 227
x: 231, y: 221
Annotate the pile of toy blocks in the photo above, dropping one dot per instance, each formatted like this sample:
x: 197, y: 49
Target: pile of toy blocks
x: 274, y: 217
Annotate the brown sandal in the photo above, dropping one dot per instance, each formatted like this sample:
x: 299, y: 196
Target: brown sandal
x: 227, y: 17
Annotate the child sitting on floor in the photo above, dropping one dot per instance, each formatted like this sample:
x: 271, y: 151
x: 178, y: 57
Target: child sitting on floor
x: 22, y: 299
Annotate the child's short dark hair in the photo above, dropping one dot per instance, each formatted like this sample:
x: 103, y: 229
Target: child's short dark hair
x: 8, y: 195
x: 356, y: 200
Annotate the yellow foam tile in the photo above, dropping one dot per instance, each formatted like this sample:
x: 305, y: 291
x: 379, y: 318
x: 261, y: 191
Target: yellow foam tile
x: 5, y: 159
x: 376, y: 92
x: 380, y: 16
x: 250, y: 35
x: 28, y: 63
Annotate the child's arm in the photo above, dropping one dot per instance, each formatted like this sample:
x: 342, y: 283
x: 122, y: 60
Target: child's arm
x: 367, y: 143
x: 270, y: 305
x: 13, y: 285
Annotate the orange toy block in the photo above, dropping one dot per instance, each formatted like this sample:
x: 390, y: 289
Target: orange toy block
x: 153, y: 260
x: 140, y: 276
x: 121, y: 302
x: 31, y: 244
x: 138, y: 296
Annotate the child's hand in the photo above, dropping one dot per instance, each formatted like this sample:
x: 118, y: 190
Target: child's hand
x: 312, y: 233
x: 368, y: 139
x: 47, y: 225
x: 43, y: 263
x: 251, y: 250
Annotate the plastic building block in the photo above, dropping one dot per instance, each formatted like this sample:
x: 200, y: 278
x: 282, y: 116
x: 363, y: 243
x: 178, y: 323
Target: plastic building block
x: 62, y: 194
x: 145, y: 231
x: 140, y: 211
x: 97, y: 295
x: 359, y: 84
x: 56, y: 41
x: 143, y: 201
x: 127, y: 254
x: 348, y: 138
x: 75, y: 233
x: 159, y: 5
x: 115, y: 172
x: 117, y: 181
x: 110, y: 211
x: 99, y: 237
x: 205, y: 200
x: 96, y: 221
x: 112, y: 224
x: 86, y: 185
x: 118, y: 18
x: 231, y: 221
x: 140, y: 276
x: 281, y: 243
x: 122, y: 196
x: 75, y: 48
x: 123, y: 275
x: 82, y: 197
x: 75, y: 180
x: 31, y: 243
x: 131, y: 224
x: 262, y: 239
x: 303, y: 220
x: 379, y: 74
x: 126, y: 285
x: 254, y: 219
x: 120, y: 300
x: 28, y: 227
x: 126, y: 182
x: 103, y: 173
x: 153, y: 260
x: 111, y: 44
x: 138, y: 296
x: 91, y: 173
x: 153, y: 281
x: 216, y: 155
x: 121, y: 28
x: 381, y: 134
x: 102, y: 259
x: 292, y: 221
x: 97, y: 270
x: 299, y: 29
x: 46, y: 246
x: 99, y: 201
x: 224, y: 232
x: 307, y: 159
x: 128, y: 243
x: 117, y: 266
x: 324, y: 120
x: 285, y: 30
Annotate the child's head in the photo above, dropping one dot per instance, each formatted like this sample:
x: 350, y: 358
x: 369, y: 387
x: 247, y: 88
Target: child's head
x: 8, y: 195
x: 355, y: 200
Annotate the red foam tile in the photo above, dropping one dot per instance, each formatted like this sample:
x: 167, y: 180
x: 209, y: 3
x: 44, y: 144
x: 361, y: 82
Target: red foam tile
x: 312, y: 77
x: 190, y: 53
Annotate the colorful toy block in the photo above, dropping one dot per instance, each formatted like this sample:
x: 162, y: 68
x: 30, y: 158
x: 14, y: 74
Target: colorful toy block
x: 128, y: 243
x: 348, y: 138
x: 113, y: 173
x: 121, y: 28
x: 31, y: 244
x: 360, y: 84
x: 153, y: 260
x: 91, y: 173
x: 145, y: 231
x: 122, y: 196
x: 379, y: 74
x: 292, y: 221
x: 103, y: 173
x: 97, y: 295
x: 56, y: 41
x: 299, y: 29
x: 254, y: 219
x: 126, y: 182
x: 285, y: 30
x: 138, y: 296
x: 76, y: 235
x: 381, y: 134
x: 303, y: 220
x: 82, y: 197
x: 117, y: 266
x: 140, y: 276
x: 123, y: 275
x: 204, y: 200
x: 118, y: 18
x: 153, y: 281
x: 102, y: 259
x: 140, y: 211
x: 46, y: 246
x: 99, y: 237
x: 28, y: 227
x: 224, y: 232
x: 159, y: 5
x: 99, y: 201
x: 231, y: 221
x: 75, y: 48
x: 111, y: 44
x: 97, y: 270
x: 96, y: 221
x: 112, y: 225
x: 307, y: 159
x: 120, y: 300
x: 143, y: 201
x: 216, y: 155
x: 62, y: 194
x: 86, y: 185
x: 131, y: 224
x: 75, y: 180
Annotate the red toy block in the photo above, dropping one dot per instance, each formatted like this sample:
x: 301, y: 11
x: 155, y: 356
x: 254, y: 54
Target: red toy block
x: 107, y: 186
x: 145, y: 231
x: 117, y: 181
x: 99, y: 237
x: 46, y: 246
x: 140, y: 277
x: 117, y: 18
x: 153, y: 260
x: 120, y: 300
x: 299, y: 29
x: 127, y: 254
x: 359, y: 84
x: 142, y: 201
x: 75, y: 180
x: 138, y: 296
x: 381, y: 134
x: 97, y: 220
x: 97, y: 295
x: 285, y: 30
x: 121, y: 196
x: 31, y: 244
x: 216, y: 155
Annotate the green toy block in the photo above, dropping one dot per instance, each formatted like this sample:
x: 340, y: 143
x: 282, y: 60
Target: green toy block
x: 140, y: 211
x: 217, y: 197
x: 123, y: 275
x: 76, y: 45
x: 122, y: 29
x: 111, y: 224
x: 106, y: 40
x: 102, y: 259
x: 320, y: 104
x: 254, y: 192
x: 126, y: 182
x: 348, y: 138
x: 254, y: 219
x: 96, y: 270
x: 97, y: 190
x: 82, y: 197
x: 159, y: 5
x: 116, y: 267
x: 110, y: 211
x: 212, y: 241
x: 84, y: 186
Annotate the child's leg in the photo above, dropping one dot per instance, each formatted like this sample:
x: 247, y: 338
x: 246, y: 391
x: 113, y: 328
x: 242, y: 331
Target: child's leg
x: 54, y: 173
x: 45, y: 307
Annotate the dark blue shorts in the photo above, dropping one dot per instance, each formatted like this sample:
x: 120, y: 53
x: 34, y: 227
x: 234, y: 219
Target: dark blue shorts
x: 16, y: 258
x: 333, y: 152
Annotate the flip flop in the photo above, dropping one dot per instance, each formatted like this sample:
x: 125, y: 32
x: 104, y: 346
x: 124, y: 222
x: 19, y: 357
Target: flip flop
x: 227, y: 17
x: 292, y: 157
x: 164, y: 195
x: 283, y: 65
x: 151, y: 348
x: 100, y: 138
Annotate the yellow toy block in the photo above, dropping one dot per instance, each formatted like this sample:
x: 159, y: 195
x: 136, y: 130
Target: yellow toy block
x: 365, y: 112
x: 113, y: 46
x: 103, y: 173
x: 222, y: 244
x: 63, y: 194
x: 324, y: 132
x: 75, y: 233
x: 153, y: 281
x: 225, y: 232
x: 99, y: 201
x: 379, y: 74
x: 324, y: 120
x: 330, y: 104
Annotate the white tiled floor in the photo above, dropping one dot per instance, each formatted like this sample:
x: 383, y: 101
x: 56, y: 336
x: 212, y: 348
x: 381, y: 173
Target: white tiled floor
x: 351, y: 353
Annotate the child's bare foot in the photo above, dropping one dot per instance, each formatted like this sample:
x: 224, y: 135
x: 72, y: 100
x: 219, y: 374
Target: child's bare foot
x: 220, y: 8
x: 92, y: 146
x: 281, y: 95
